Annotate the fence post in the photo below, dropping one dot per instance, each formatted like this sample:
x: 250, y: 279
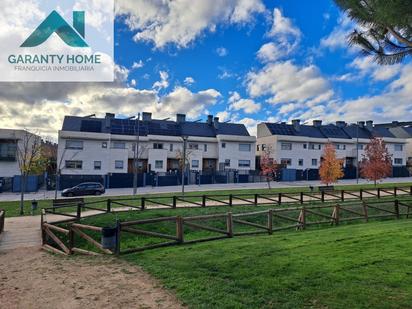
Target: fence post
x: 71, y: 239
x: 395, y: 191
x: 379, y: 192
x: 256, y: 199
x: 336, y: 214
x: 342, y: 195
x: 361, y: 194
x: 270, y: 221
x: 204, y: 201
x: 397, y: 209
x: 143, y: 203
x: 43, y: 235
x: 322, y: 196
x: 118, y: 231
x: 179, y: 229
x: 229, y: 225
x: 365, y: 210
x: 301, y: 197
x: 302, y: 218
x: 174, y: 201
x: 79, y: 211
x: 109, y: 205
x: 230, y: 199
x: 280, y: 198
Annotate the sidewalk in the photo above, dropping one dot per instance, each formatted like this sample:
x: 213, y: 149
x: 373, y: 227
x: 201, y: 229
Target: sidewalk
x: 41, y: 195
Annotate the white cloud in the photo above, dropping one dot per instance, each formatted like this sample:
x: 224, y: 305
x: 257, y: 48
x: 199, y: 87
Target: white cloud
x: 338, y: 38
x: 285, y: 36
x: 222, y: 52
x: 251, y: 125
x: 223, y: 116
x: 180, y: 22
x: 137, y: 65
x: 246, y: 105
x: 366, y: 66
x: 163, y: 83
x: 285, y: 82
x: 189, y: 81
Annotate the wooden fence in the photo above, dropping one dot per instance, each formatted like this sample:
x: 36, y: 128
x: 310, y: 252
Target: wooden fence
x: 140, y: 235
x: 2, y: 219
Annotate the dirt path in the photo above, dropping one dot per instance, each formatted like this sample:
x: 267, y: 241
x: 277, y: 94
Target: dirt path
x: 31, y: 278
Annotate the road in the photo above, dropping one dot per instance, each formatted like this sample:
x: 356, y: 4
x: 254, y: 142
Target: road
x: 41, y: 195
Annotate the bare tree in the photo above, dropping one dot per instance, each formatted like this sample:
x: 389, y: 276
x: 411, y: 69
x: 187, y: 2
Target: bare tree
x: 29, y: 158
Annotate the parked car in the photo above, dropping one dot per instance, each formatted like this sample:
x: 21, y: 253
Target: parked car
x: 86, y: 188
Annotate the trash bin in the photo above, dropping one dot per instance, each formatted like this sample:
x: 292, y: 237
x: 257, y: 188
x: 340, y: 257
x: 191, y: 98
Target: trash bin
x: 34, y: 205
x: 109, y: 238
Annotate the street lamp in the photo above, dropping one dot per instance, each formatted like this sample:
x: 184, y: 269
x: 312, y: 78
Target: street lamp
x: 136, y: 156
x: 185, y: 138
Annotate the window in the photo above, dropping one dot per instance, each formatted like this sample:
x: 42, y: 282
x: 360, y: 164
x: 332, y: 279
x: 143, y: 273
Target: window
x: 315, y: 146
x: 300, y: 162
x: 205, y: 147
x: 257, y: 147
x: 305, y: 146
x: 314, y: 162
x: 398, y: 147
x: 194, y: 146
x: 360, y: 146
x: 286, y: 161
x: 223, y: 145
x: 8, y: 151
x: 244, y: 163
x: 118, y: 164
x: 157, y: 146
x: 398, y: 161
x: 119, y: 145
x: 78, y: 165
x: 104, y: 145
x: 286, y: 146
x: 245, y: 147
x: 263, y: 147
x: 340, y: 146
x: 227, y: 162
x: 195, y: 163
x: 72, y: 144
x: 97, y: 165
x: 159, y: 164
x: 171, y: 147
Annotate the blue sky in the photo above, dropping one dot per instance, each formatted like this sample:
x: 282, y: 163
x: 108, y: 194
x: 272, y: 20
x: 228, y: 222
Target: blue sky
x: 246, y: 61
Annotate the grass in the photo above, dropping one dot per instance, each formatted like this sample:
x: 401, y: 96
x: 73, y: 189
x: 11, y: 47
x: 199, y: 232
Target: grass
x: 352, y: 266
x: 12, y: 208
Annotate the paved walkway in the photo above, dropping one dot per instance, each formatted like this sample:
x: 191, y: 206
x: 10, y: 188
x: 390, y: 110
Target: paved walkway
x: 192, y: 188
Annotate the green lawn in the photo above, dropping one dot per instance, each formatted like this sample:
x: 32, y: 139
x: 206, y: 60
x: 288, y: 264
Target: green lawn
x: 352, y: 266
x: 12, y: 208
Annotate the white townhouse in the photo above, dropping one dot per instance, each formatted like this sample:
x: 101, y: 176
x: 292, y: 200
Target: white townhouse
x: 10, y: 141
x: 299, y: 146
x: 101, y: 146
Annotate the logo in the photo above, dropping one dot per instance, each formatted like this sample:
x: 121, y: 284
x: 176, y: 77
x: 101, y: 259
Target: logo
x: 55, y: 23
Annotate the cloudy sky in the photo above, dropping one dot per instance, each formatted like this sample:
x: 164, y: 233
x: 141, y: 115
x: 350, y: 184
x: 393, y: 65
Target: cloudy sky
x: 244, y: 60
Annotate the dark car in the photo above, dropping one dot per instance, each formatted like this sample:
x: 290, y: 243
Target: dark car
x: 86, y: 188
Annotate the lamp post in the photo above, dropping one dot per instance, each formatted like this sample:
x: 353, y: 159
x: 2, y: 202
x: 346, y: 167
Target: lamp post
x: 136, y: 156
x: 184, y: 163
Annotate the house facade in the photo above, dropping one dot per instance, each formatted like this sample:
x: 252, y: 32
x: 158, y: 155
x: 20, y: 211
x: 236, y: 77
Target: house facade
x: 299, y: 146
x: 102, y: 146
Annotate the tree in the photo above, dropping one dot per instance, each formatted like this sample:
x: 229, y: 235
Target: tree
x: 330, y: 167
x: 385, y: 28
x: 269, y: 167
x: 376, y: 162
x: 30, y: 160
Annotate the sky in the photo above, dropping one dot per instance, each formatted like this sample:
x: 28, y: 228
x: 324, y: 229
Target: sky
x: 246, y: 61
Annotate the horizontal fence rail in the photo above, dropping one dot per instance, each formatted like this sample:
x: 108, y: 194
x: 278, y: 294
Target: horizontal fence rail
x: 70, y: 236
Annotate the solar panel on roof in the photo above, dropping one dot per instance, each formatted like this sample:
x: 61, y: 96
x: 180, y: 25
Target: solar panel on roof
x: 91, y: 126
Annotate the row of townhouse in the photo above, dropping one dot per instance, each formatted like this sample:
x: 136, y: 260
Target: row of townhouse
x: 300, y: 146
x: 101, y: 146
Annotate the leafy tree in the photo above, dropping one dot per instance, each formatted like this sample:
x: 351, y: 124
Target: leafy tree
x: 331, y: 167
x: 269, y: 167
x: 385, y: 28
x: 376, y: 163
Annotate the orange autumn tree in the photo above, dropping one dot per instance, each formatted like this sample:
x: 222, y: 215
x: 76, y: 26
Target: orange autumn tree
x: 331, y: 167
x: 269, y: 167
x: 376, y: 162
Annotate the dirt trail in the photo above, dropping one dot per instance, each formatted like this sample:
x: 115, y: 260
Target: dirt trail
x: 31, y: 278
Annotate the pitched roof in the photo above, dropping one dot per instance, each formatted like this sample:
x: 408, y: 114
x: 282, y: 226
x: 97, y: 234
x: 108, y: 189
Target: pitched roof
x: 152, y: 127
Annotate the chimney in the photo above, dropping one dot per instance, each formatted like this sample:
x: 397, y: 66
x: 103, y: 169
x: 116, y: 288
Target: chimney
x: 216, y: 123
x: 369, y: 125
x: 296, y: 124
x: 146, y: 116
x: 317, y: 123
x: 210, y: 120
x: 361, y: 124
x: 180, y: 118
x: 108, y: 118
x: 340, y: 124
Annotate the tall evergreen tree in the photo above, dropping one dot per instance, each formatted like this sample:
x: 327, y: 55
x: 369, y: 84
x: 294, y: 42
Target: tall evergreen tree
x: 385, y: 28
